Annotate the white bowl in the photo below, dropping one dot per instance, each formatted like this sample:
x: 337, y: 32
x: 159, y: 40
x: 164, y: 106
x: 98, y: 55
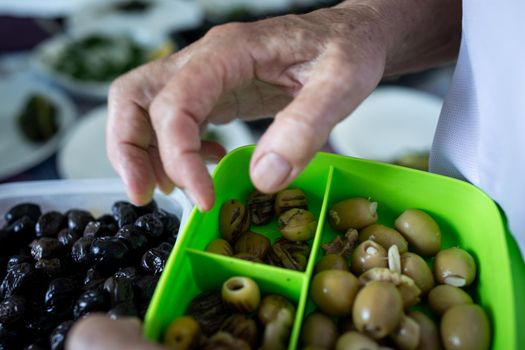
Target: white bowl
x: 390, y: 123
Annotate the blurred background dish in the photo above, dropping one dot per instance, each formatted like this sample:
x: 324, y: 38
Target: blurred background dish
x: 85, y: 64
x: 83, y: 152
x: 33, y: 118
x: 39, y: 8
x: 394, y: 124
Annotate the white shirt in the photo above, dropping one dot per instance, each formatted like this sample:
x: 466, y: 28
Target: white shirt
x: 481, y: 132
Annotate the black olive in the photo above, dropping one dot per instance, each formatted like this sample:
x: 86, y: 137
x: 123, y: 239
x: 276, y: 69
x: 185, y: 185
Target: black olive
x: 51, y: 267
x: 90, y: 301
x: 127, y: 272
x: 49, y: 224
x: 46, y: 247
x: 57, y: 339
x: 151, y: 224
x: 119, y: 290
x: 109, y: 252
x: 23, y: 209
x: 144, y: 288
x: 77, y: 219
x: 60, y: 296
x: 97, y: 229
x: 154, y: 259
x: 17, y: 259
x: 93, y: 278
x: 146, y: 209
x: 171, y: 222
x: 126, y: 309
x: 134, y: 237
x: 21, y: 231
x: 124, y: 213
x: 12, y: 309
x: 18, y: 279
x: 81, y: 250
x: 67, y: 237
x: 40, y: 323
x: 38, y: 345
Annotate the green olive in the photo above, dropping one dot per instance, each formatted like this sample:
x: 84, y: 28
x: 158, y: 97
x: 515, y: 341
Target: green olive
x: 297, y: 225
x: 352, y: 213
x: 378, y: 309
x: 385, y: 236
x: 443, y: 297
x: 465, y: 327
x: 333, y: 291
x: 241, y: 327
x: 420, y: 230
x: 242, y: 293
x: 248, y: 257
x: 260, y: 207
x: 182, y: 334
x: 220, y: 246
x: 270, y: 307
x: 429, y: 334
x: 355, y: 341
x: 454, y: 266
x: 254, y: 244
x: 233, y: 220
x: 289, y: 199
x: 415, y: 267
x: 331, y: 262
x: 368, y: 255
x: 319, y: 330
x: 407, y: 334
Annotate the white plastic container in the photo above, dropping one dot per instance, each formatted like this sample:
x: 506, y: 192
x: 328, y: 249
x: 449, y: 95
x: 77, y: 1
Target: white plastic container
x: 96, y: 196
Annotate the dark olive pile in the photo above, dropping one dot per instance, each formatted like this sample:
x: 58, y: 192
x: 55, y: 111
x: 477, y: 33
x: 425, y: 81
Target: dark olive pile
x: 375, y: 281
x: 296, y: 224
x: 236, y: 317
x: 57, y: 267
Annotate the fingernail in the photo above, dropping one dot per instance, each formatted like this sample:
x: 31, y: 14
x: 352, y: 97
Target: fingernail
x: 271, y: 171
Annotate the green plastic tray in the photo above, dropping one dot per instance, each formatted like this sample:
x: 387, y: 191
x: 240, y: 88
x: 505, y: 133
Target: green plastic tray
x: 467, y: 217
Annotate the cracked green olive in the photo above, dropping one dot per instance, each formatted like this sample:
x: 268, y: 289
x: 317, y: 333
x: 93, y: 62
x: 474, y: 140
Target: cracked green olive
x: 352, y: 213
x: 333, y: 291
x: 368, y: 255
x: 319, y: 330
x: 420, y: 230
x: 407, y: 334
x: 378, y: 309
x: 454, y: 266
x: 270, y: 307
x: 182, y: 334
x: 429, y: 334
x: 331, y: 262
x: 260, y: 207
x: 220, y: 246
x: 242, y: 293
x: 297, y: 225
x: 415, y: 267
x: 355, y: 341
x: 254, y: 244
x: 385, y: 236
x: 233, y: 220
x: 289, y: 199
x: 465, y: 327
x: 443, y: 297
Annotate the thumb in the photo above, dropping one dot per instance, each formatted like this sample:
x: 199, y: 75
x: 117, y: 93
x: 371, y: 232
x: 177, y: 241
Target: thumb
x: 302, y: 128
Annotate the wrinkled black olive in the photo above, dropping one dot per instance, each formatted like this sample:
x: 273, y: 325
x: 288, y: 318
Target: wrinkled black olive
x: 51, y: 267
x: 124, y: 213
x: 90, y: 301
x: 154, y: 259
x: 46, y: 247
x: 77, y: 219
x: 67, y: 237
x: 127, y: 272
x: 93, y: 278
x: 12, y: 309
x: 49, y: 224
x: 170, y: 221
x: 126, y: 309
x: 21, y: 231
x: 152, y: 224
x: 144, y: 287
x: 109, y: 252
x: 18, y: 280
x: 119, y: 290
x: 106, y: 219
x: 81, y: 250
x: 96, y: 229
x: 146, y: 209
x: 23, y: 209
x: 60, y: 296
x: 17, y: 259
x: 40, y: 323
x: 134, y: 237
x: 57, y: 339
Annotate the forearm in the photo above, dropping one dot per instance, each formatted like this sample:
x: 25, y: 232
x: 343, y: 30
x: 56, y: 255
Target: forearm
x: 417, y: 34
